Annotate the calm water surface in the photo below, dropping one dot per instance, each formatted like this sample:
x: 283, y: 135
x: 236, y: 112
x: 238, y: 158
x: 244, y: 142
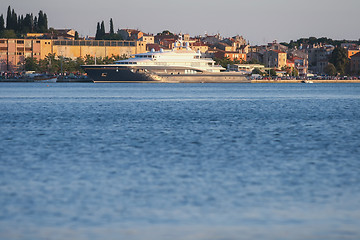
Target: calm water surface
x: 179, y: 161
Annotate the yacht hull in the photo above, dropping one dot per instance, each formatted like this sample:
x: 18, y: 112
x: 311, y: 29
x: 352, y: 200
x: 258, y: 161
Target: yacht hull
x: 115, y: 74
x: 169, y: 74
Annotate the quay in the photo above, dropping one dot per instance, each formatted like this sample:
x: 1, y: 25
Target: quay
x: 301, y: 81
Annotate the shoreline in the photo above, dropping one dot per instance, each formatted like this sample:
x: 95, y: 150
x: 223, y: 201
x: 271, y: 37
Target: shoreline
x: 189, y: 81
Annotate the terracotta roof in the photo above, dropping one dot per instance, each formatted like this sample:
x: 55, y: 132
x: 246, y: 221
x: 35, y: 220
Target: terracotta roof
x: 296, y: 58
x: 199, y: 44
x: 278, y: 51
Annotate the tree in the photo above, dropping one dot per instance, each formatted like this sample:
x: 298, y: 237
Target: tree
x: 89, y: 60
x: 295, y: 72
x: 339, y: 59
x: 14, y: 20
x: 330, y: 69
x: 253, y: 61
x: 166, y: 32
x: 31, y: 64
x: 8, y: 34
x: 111, y: 26
x: 2, y: 23
x: 9, y: 19
x: 97, y: 35
x: 76, y: 35
x: 35, y: 24
x: 102, y: 30
x: 273, y: 72
x: 42, y: 22
x: 257, y: 71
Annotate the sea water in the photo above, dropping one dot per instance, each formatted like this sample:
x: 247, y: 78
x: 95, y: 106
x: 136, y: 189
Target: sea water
x: 179, y: 161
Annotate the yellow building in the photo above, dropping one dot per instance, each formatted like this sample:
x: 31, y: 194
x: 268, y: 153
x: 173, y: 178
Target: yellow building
x: 98, y: 48
x: 14, y: 51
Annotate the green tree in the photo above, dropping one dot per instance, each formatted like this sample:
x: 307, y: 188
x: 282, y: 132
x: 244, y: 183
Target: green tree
x: 166, y: 32
x: 53, y: 63
x: 98, y: 29
x: 8, y: 18
x: 102, y: 30
x: 14, y: 20
x: 257, y: 71
x: 31, y: 64
x: 78, y: 62
x: 8, y: 34
x: 273, y: 72
x: 42, y: 22
x: 111, y: 26
x: 2, y: 23
x: 253, y: 61
x: 330, y: 69
x: 294, y: 72
x: 224, y: 62
x: 340, y: 60
x: 76, y: 35
x: 89, y: 60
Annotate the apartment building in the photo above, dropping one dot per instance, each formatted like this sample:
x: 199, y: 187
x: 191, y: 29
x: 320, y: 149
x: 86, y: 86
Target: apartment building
x: 14, y: 51
x: 275, y: 59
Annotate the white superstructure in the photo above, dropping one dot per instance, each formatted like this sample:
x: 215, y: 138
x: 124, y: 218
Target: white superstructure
x: 180, y: 56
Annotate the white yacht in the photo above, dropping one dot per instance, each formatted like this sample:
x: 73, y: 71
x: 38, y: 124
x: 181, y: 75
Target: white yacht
x: 181, y: 64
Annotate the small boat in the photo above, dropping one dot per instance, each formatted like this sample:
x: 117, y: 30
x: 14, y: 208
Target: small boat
x: 45, y: 78
x: 307, y: 81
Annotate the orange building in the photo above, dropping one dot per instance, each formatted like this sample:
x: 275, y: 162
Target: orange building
x: 231, y: 55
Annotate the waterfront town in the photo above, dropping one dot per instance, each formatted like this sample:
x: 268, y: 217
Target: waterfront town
x: 45, y: 49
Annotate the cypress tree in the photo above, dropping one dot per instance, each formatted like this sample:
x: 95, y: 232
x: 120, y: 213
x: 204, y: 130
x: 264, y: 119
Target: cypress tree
x: 36, y: 29
x: 14, y: 20
x: 111, y: 26
x: 339, y: 59
x: 20, y: 24
x: 45, y: 22
x: 32, y: 29
x: 8, y: 19
x: 97, y: 35
x: 2, y: 27
x: 27, y: 23
x: 102, y: 30
x: 41, y: 21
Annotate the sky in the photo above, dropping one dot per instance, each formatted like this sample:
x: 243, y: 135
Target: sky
x: 258, y: 21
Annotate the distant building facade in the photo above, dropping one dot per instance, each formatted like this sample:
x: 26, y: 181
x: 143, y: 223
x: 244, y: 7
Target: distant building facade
x: 318, y: 57
x: 231, y: 55
x: 130, y: 34
x: 275, y: 59
x: 355, y: 63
